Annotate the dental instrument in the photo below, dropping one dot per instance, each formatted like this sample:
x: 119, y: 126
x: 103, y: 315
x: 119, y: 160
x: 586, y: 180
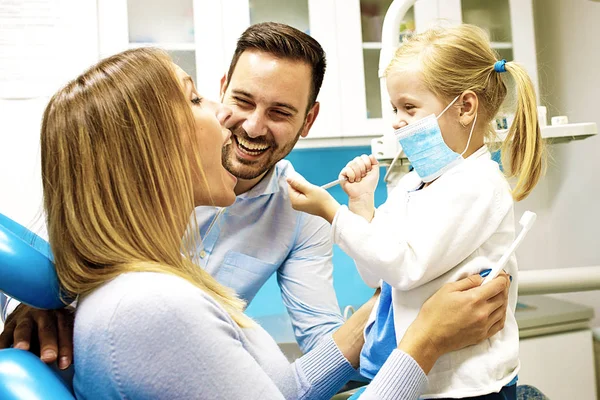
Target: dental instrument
x: 334, y: 183
x: 526, y: 221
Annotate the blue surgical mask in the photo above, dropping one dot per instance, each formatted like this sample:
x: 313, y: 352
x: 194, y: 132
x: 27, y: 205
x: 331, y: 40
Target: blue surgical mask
x: 425, y: 148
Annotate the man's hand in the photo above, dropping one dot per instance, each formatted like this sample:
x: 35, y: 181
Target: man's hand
x: 458, y: 315
x: 49, y: 332
x: 350, y: 337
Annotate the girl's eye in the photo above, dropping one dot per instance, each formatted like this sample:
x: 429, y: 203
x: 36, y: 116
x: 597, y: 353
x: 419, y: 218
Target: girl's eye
x: 409, y: 106
x: 197, y: 101
x: 394, y: 110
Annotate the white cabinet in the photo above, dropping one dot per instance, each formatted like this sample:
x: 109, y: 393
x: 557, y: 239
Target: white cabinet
x: 172, y: 26
x: 509, y: 23
x: 200, y: 35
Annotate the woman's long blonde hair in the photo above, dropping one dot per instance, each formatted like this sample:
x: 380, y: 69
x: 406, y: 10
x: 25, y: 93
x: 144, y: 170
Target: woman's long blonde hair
x: 453, y: 60
x: 117, y: 183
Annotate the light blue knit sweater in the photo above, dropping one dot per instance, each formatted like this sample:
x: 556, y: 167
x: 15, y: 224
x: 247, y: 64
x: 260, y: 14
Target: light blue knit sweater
x: 154, y: 336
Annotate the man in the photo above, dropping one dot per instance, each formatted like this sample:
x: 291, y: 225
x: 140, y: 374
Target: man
x: 272, y: 85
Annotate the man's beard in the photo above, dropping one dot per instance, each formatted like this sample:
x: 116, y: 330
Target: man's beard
x: 246, y: 169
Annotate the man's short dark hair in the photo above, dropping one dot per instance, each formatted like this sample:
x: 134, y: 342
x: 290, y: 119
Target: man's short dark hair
x: 285, y: 42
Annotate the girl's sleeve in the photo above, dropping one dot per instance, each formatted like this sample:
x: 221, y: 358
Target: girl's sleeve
x: 441, y: 229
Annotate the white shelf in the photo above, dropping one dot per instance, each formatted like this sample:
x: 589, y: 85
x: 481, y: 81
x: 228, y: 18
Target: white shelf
x: 563, y: 131
x: 495, y: 45
x: 165, y: 46
x: 568, y: 131
x: 501, y: 45
x: 371, y: 45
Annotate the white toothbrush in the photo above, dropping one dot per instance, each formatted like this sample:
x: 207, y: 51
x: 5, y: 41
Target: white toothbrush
x: 526, y: 221
x: 333, y: 183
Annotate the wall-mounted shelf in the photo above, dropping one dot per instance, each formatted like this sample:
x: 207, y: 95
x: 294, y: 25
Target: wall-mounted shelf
x: 566, y: 132
x: 570, y: 130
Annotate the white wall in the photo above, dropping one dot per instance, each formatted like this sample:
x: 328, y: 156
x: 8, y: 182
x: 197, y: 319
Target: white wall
x: 20, y: 182
x: 567, y: 233
x: 75, y: 47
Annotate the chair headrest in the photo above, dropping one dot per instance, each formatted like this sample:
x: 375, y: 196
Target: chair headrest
x: 26, y: 269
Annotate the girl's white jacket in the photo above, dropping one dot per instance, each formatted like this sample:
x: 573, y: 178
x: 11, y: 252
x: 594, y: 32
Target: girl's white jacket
x: 419, y: 240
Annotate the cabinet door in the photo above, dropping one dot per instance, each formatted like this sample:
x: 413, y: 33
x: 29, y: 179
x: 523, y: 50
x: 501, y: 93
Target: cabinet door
x: 359, y: 35
x: 126, y: 24
x: 509, y: 24
x: 201, y: 36
x: 322, y: 26
x: 218, y: 25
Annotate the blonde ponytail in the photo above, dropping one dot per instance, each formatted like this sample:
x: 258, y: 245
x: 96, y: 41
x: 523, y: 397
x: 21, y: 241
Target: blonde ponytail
x: 523, y: 154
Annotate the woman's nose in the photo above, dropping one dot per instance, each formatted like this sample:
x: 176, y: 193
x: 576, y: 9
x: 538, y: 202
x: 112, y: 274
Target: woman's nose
x: 224, y: 115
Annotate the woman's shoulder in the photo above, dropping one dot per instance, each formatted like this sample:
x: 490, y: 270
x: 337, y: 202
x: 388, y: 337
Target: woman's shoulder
x: 147, y: 295
x: 146, y: 319
x: 151, y: 302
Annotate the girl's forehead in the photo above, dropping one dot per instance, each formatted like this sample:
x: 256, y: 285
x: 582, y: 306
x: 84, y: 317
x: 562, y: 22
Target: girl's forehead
x: 407, y: 81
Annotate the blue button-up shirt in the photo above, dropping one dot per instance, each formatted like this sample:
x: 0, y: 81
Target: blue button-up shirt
x: 259, y: 235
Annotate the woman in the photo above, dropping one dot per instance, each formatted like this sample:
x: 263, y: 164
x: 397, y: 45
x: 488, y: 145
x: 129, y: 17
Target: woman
x: 129, y: 148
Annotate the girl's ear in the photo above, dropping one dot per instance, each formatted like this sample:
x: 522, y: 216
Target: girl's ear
x: 469, y: 104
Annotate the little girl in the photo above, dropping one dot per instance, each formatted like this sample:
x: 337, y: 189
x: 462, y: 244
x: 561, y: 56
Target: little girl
x: 449, y: 218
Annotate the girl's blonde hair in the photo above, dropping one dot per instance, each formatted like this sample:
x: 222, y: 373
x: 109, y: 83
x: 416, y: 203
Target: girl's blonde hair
x: 453, y: 60
x: 117, y: 182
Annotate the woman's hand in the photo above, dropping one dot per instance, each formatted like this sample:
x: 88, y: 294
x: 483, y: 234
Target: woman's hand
x: 311, y: 199
x: 458, y: 315
x: 362, y: 176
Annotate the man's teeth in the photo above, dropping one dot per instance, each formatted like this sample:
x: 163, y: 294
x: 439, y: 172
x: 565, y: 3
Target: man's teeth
x: 252, y: 146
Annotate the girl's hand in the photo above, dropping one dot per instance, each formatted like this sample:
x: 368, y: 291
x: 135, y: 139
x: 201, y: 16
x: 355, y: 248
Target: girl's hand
x: 362, y: 176
x: 311, y: 199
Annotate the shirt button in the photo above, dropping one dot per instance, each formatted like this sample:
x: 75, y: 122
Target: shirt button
x: 202, y: 254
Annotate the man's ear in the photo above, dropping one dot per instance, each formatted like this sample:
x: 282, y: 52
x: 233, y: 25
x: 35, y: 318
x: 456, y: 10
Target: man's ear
x: 223, y: 86
x: 311, y: 116
x: 469, y: 103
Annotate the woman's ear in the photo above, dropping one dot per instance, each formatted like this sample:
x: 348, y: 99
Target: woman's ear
x: 468, y: 103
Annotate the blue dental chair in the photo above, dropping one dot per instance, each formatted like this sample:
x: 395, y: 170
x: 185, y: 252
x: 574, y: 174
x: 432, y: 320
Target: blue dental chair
x: 27, y: 274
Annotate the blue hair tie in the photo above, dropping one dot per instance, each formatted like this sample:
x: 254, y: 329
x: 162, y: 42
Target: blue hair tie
x: 499, y: 66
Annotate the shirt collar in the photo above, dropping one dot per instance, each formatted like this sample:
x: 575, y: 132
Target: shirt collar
x: 481, y: 152
x: 271, y: 182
